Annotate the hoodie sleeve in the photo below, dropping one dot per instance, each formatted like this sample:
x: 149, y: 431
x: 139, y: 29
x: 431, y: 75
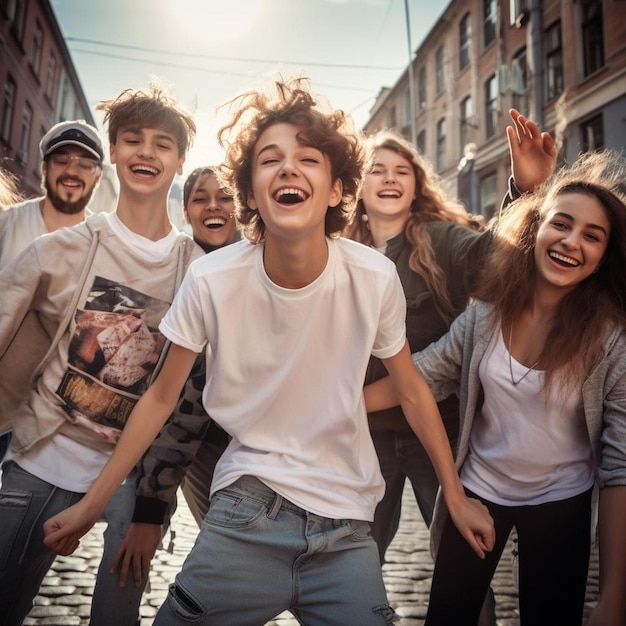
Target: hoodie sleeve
x: 442, y: 361
x: 163, y: 467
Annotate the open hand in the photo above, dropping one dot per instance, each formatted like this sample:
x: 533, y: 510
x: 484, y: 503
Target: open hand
x: 136, y: 552
x: 533, y: 153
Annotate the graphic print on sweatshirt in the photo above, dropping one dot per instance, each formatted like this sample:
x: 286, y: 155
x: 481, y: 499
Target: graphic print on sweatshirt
x: 112, y: 355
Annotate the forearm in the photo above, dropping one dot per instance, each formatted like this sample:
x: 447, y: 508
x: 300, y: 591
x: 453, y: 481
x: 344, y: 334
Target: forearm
x: 425, y: 420
x: 380, y: 395
x: 144, y: 423
x: 612, y: 542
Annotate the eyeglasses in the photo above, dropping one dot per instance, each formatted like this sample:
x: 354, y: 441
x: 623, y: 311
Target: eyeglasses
x: 84, y: 164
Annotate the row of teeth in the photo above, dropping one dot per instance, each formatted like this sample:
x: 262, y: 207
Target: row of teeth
x: 218, y: 221
x: 565, y: 259
x: 145, y: 168
x: 291, y: 192
x: 389, y: 194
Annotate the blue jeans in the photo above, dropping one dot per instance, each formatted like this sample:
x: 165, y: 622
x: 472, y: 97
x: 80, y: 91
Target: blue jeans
x: 258, y: 555
x: 26, y: 502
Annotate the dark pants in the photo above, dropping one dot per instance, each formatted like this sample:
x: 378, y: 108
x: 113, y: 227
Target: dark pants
x: 554, y: 545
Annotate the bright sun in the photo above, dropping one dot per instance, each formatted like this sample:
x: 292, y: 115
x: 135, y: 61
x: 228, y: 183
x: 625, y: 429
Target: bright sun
x: 217, y: 20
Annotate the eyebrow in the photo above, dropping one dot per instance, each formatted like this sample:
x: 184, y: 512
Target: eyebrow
x: 271, y: 146
x: 139, y: 131
x: 567, y: 216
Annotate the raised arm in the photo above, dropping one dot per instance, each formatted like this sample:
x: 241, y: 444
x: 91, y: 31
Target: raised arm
x: 63, y: 531
x: 419, y: 406
x: 533, y: 153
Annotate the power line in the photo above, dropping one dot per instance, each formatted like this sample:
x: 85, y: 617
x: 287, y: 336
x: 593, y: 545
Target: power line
x: 204, y: 70
x: 222, y: 58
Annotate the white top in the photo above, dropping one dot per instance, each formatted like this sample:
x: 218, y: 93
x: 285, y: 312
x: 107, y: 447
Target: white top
x: 524, y: 448
x: 61, y: 460
x: 287, y: 368
x: 20, y: 225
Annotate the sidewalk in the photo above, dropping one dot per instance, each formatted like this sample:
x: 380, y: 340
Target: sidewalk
x: 65, y: 596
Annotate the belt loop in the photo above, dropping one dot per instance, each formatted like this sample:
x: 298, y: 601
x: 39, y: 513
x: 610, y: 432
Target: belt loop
x: 275, y: 508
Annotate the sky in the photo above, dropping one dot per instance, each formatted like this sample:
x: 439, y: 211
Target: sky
x: 208, y: 51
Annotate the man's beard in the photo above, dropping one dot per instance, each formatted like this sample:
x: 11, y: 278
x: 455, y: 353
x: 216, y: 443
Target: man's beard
x: 66, y: 206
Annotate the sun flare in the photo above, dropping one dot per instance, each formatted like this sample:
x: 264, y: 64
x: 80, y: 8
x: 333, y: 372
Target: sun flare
x: 217, y: 20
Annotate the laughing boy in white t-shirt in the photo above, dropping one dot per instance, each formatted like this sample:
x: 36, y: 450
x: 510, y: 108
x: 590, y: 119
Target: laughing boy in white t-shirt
x: 288, y: 319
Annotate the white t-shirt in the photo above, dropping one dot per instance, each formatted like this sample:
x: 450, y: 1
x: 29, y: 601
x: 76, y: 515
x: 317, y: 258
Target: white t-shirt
x: 63, y: 461
x: 287, y: 368
x: 20, y: 225
x: 524, y: 448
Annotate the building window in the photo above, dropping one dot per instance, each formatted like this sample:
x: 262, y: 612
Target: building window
x: 593, y: 40
x: 519, y: 82
x: 440, y: 61
x: 554, y: 62
x: 393, y: 117
x: 421, y: 88
x: 51, y: 76
x: 441, y: 144
x: 27, y: 120
x: 488, y: 196
x: 592, y: 132
x: 35, y: 51
x: 42, y: 132
x: 17, y: 14
x: 490, y: 8
x: 407, y: 108
x: 491, y: 106
x: 467, y: 111
x: 65, y: 90
x: 518, y: 15
x: 421, y: 142
x: 8, y: 102
x: 465, y: 41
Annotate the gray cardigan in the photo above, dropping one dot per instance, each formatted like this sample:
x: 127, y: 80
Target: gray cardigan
x: 451, y: 366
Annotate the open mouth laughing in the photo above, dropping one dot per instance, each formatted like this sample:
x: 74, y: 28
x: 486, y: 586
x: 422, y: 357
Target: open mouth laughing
x: 290, y: 195
x: 214, y: 223
x: 144, y: 170
x: 563, y: 260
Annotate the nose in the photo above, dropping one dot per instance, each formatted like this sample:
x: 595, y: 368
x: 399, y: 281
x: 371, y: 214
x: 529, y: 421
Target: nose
x: 146, y: 150
x: 72, y: 166
x: 571, y: 239
x: 388, y: 177
x: 288, y: 168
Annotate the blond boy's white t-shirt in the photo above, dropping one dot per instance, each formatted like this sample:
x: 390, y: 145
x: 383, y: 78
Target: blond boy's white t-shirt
x: 287, y: 368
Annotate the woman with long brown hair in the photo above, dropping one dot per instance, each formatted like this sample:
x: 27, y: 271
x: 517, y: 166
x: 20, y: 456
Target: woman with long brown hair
x: 438, y: 250
x: 539, y: 360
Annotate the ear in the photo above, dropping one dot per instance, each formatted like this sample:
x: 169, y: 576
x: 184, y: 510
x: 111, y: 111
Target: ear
x: 186, y: 215
x: 179, y: 171
x: 44, y: 169
x: 336, y: 193
x: 252, y: 202
x: 112, y: 153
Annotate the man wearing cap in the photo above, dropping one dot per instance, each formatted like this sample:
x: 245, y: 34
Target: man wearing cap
x: 71, y: 169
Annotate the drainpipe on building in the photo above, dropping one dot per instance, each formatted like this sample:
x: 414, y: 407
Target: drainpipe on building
x: 534, y: 43
x: 410, y: 70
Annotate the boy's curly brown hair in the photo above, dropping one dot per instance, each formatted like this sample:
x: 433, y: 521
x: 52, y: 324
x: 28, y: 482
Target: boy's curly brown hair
x: 329, y: 130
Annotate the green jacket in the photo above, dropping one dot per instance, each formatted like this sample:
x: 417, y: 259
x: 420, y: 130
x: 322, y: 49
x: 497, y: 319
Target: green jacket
x: 459, y: 252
